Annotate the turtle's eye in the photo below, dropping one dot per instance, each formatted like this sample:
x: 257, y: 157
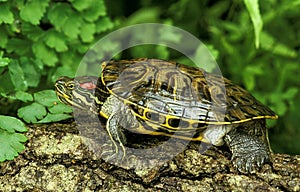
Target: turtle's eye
x: 70, y: 86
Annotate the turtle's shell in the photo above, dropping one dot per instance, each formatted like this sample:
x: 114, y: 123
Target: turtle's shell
x: 178, y: 97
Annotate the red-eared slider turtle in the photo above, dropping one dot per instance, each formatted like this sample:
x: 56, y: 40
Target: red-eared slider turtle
x: 156, y: 97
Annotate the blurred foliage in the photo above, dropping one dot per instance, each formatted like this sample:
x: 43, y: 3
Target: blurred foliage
x: 256, y: 44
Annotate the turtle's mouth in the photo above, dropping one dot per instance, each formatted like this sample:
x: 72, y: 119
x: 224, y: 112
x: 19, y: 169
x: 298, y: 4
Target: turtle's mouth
x: 62, y: 94
x: 69, y: 100
x: 65, y: 95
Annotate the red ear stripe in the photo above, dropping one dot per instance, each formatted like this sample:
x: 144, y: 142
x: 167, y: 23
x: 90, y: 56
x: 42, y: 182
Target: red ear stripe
x: 88, y: 85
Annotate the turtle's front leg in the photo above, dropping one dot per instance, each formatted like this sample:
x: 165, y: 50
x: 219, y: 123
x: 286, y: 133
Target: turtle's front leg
x: 119, y: 118
x: 249, y: 152
x: 117, y: 138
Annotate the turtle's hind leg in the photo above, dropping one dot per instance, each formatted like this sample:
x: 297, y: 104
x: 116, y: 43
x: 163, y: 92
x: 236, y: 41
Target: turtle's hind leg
x: 249, y: 147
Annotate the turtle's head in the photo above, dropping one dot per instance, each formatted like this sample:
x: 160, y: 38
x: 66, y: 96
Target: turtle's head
x: 80, y: 92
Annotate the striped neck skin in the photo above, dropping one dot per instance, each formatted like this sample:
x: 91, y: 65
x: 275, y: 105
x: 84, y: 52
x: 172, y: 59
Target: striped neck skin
x: 85, y: 93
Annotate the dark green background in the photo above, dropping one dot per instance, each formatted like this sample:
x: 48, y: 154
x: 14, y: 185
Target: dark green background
x: 45, y: 39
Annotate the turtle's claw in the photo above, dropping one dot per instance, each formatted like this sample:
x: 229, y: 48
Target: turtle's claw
x: 112, y: 153
x: 251, y: 162
x: 249, y: 153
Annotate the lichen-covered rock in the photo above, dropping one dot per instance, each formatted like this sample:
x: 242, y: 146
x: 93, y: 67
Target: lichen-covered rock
x: 56, y: 159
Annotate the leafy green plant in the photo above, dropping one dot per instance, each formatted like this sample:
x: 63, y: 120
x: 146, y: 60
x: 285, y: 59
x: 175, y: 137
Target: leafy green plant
x: 40, y: 41
x: 10, y: 137
x: 45, y: 108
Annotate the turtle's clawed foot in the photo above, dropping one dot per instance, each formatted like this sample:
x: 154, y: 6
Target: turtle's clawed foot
x: 250, y: 162
x: 113, y: 153
x: 249, y: 153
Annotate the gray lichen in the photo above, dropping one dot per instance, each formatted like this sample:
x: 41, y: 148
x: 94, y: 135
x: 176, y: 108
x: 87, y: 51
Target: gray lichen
x: 56, y: 159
